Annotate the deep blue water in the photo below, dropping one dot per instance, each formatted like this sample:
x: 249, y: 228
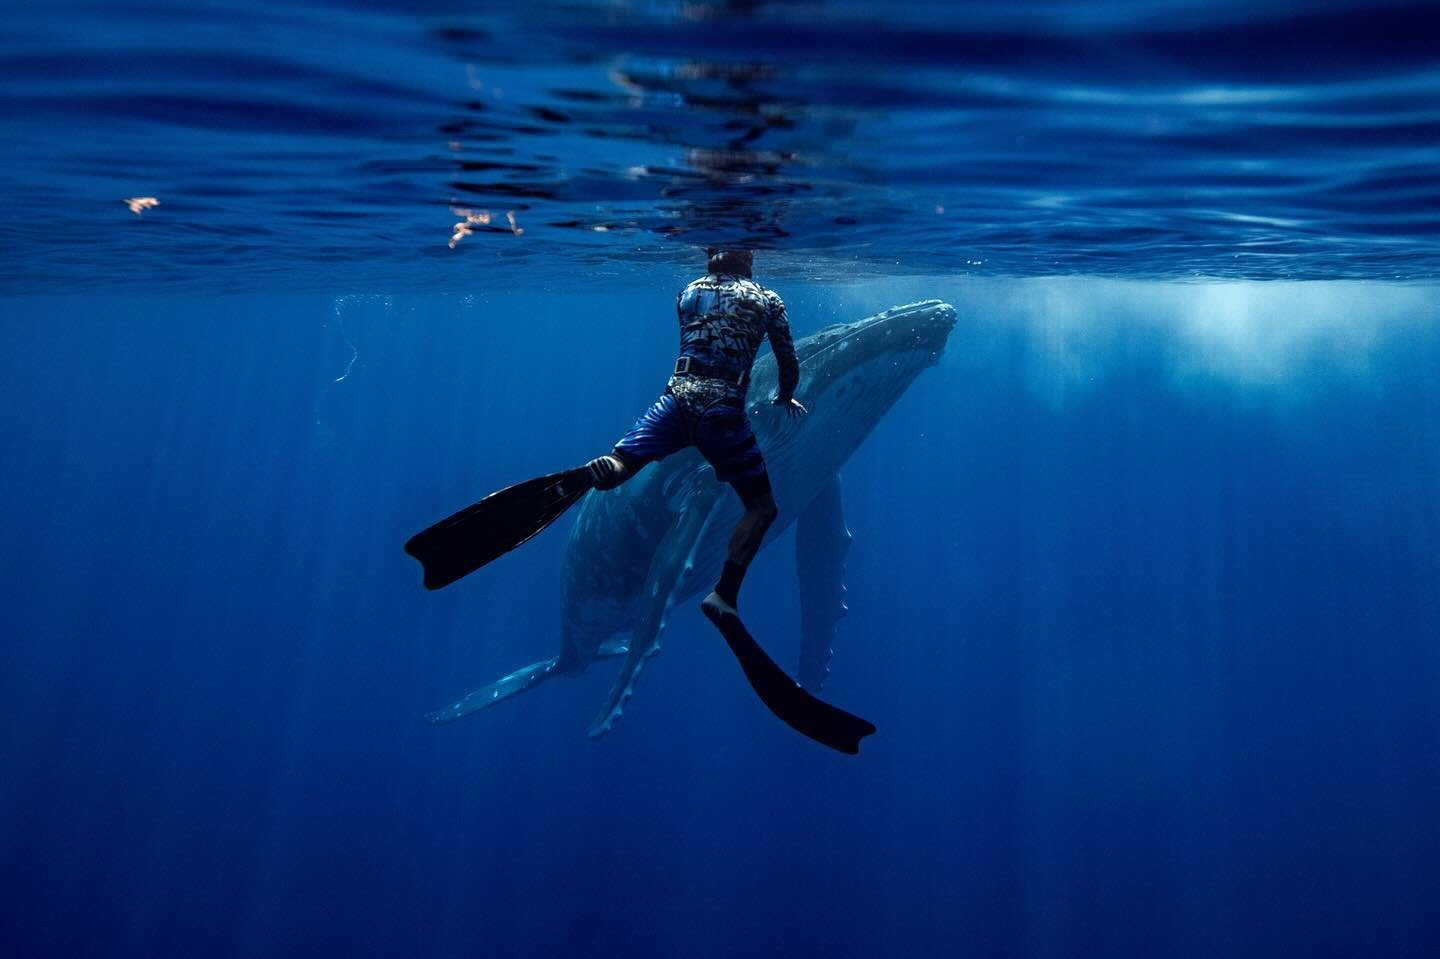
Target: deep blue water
x: 1144, y: 606
x: 1145, y: 580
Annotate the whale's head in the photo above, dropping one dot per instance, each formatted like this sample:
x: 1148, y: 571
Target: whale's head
x: 850, y: 376
x: 879, y: 355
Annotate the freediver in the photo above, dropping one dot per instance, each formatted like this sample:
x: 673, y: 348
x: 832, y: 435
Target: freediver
x: 724, y: 317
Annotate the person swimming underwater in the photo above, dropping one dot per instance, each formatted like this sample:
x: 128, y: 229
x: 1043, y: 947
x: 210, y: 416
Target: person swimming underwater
x: 724, y: 317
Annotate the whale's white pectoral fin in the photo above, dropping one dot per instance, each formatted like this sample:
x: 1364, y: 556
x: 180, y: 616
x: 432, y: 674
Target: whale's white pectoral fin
x: 527, y: 677
x: 672, y: 560
x: 821, y: 544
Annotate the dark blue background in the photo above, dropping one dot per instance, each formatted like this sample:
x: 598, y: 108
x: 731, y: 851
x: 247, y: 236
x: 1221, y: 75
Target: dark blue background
x: 1146, y: 615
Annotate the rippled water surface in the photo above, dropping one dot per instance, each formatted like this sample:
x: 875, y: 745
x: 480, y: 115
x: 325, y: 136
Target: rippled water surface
x: 388, y: 145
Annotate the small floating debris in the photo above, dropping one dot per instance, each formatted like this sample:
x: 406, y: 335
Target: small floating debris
x: 139, y: 204
x: 514, y: 228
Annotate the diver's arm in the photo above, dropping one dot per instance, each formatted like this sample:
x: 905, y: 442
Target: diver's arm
x: 784, y: 347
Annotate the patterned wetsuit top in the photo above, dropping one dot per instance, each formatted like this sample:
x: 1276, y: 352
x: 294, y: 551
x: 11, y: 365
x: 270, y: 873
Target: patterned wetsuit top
x: 723, y: 320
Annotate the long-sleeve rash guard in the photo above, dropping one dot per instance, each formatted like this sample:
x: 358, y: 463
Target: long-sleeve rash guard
x: 723, y: 320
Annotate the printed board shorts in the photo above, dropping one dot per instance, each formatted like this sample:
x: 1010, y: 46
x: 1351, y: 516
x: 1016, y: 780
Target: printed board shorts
x: 721, y: 432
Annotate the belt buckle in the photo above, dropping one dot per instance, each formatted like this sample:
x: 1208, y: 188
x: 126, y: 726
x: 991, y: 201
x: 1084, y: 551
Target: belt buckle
x: 682, y: 366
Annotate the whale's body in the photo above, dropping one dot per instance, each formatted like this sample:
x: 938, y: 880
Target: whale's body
x: 660, y: 538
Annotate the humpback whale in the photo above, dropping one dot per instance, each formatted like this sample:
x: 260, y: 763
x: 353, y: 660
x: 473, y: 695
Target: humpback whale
x: 660, y: 539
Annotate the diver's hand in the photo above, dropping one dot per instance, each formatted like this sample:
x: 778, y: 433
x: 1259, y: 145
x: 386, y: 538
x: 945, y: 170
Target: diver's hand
x: 794, y: 407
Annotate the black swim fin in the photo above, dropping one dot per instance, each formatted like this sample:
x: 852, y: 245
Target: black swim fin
x: 460, y: 544
x: 819, y: 720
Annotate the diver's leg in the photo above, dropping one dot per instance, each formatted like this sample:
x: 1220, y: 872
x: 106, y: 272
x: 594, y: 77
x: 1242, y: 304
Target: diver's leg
x: 726, y: 440
x: 659, y: 432
x: 760, y: 513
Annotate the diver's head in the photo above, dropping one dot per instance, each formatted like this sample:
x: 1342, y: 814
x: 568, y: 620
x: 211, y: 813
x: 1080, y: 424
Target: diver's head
x: 730, y: 261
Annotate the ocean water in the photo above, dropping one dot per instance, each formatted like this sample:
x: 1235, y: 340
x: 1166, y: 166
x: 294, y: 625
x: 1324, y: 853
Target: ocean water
x: 1145, y: 581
